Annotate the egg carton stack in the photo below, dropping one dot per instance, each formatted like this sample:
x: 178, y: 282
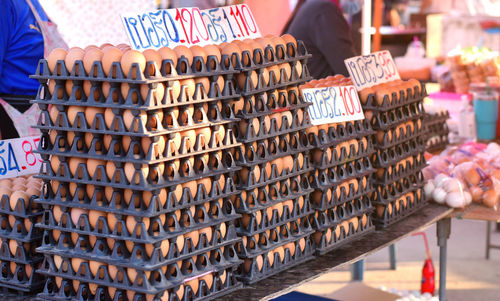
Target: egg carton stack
x: 274, y: 199
x: 137, y: 179
x: 396, y: 111
x: 19, y: 236
x: 342, y: 181
x: 436, y: 131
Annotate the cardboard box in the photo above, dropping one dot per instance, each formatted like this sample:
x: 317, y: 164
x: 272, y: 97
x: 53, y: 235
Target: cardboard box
x: 358, y: 291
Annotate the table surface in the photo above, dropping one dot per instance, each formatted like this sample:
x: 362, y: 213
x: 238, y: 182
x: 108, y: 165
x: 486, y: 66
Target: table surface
x: 477, y: 212
x: 288, y: 280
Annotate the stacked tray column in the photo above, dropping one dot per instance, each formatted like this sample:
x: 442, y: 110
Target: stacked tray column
x: 274, y: 201
x: 137, y: 179
x: 19, y: 236
x: 395, y: 110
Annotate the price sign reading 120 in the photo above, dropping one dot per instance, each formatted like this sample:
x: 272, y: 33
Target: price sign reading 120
x: 17, y: 157
x: 373, y: 69
x: 189, y: 26
x: 333, y: 104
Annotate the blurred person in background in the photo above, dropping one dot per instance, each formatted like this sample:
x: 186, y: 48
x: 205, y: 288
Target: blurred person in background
x: 325, y: 32
x: 24, y: 36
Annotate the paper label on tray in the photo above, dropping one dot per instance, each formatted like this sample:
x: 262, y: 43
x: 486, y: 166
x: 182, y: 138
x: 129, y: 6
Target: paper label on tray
x: 333, y: 104
x: 189, y: 26
x: 373, y: 69
x: 17, y: 157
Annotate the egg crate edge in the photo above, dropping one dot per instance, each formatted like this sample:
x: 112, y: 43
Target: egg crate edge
x: 388, y: 120
x: 187, y: 200
x: 362, y: 230
x: 343, y: 158
x: 48, y: 294
x: 408, y: 170
x: 398, y: 99
x: 33, y: 284
x: 254, y: 277
x: 386, y: 143
x: 389, y: 197
x: 339, y: 133
x: 388, y: 220
x: 144, y: 287
x: 166, y: 72
x: 19, y: 232
x: 21, y: 209
x: 137, y: 262
x: 326, y: 204
x: 296, y: 215
x: 322, y: 220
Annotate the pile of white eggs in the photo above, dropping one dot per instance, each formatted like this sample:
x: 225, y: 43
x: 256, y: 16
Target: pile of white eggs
x: 410, y: 295
x: 446, y: 190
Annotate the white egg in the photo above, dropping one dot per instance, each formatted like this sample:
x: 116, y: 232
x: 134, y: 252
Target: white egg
x: 455, y: 200
x: 451, y: 184
x: 428, y: 189
x: 468, y: 198
x: 439, y: 195
x: 440, y: 178
x: 493, y: 148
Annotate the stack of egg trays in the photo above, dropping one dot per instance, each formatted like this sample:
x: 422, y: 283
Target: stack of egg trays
x: 336, y: 164
x: 276, y: 236
x: 19, y: 239
x: 170, y: 271
x: 437, y: 131
x: 398, y: 184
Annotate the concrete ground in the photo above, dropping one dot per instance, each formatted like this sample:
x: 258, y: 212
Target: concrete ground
x: 470, y: 276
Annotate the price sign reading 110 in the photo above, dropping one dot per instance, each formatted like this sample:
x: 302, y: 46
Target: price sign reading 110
x: 190, y: 26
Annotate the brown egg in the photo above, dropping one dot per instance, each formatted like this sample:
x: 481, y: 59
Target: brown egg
x: 74, y: 54
x: 205, y: 82
x: 212, y: 50
x: 57, y: 213
x: 198, y: 51
x: 111, y: 55
x: 90, y: 113
x: 92, y: 165
x: 242, y: 77
x: 129, y: 170
x: 16, y: 195
x: 91, y: 56
x: 128, y: 59
x: 73, y: 163
x: 490, y: 198
x: 472, y: 177
x: 228, y: 50
x: 71, y: 113
x: 154, y: 56
x: 13, y: 247
x: 94, y: 216
x: 131, y: 224
x: 128, y: 119
x: 190, y: 85
x: 76, y: 262
x: 76, y: 213
x: 54, y: 56
x: 183, y: 51
x: 168, y: 54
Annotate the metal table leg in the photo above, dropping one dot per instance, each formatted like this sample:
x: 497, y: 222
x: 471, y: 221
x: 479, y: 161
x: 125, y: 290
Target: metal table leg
x: 443, y: 233
x: 488, y: 239
x: 357, y: 270
x: 392, y: 256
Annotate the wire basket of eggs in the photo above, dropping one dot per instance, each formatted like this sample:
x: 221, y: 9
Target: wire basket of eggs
x: 138, y: 153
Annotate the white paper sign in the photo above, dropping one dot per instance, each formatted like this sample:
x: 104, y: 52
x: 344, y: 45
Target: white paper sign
x: 17, y: 157
x: 189, y: 26
x: 333, y: 104
x: 373, y: 69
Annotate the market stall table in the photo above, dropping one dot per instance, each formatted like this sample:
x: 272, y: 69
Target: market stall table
x: 287, y: 281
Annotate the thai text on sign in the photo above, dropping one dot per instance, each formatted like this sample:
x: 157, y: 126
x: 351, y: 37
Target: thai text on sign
x: 190, y: 26
x: 373, y: 69
x: 333, y: 104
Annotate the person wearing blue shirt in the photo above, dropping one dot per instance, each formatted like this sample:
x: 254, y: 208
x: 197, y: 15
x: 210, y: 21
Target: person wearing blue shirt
x: 21, y: 47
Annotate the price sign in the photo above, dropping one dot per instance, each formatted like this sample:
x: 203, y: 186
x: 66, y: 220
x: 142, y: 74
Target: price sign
x: 189, y: 26
x: 373, y: 69
x: 333, y: 104
x: 17, y: 157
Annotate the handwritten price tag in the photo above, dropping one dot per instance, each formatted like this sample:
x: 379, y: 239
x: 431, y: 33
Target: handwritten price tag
x: 373, y: 69
x: 17, y: 157
x: 333, y: 104
x: 189, y: 26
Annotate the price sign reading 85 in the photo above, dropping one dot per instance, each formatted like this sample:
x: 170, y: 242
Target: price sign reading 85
x: 373, y: 69
x: 189, y: 26
x: 333, y: 104
x: 17, y: 157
